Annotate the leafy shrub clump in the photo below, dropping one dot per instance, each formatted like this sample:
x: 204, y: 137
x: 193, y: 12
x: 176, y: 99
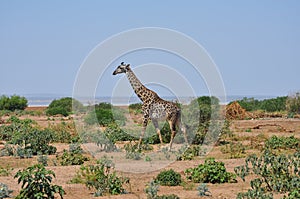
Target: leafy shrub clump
x: 72, y: 157
x: 282, y: 142
x: 37, y: 183
x: 276, y: 173
x: 168, y: 178
x: 64, y: 132
x: 102, y: 178
x: 63, y: 106
x: 26, y: 138
x: 210, y: 172
x: 13, y: 103
x: 114, y: 133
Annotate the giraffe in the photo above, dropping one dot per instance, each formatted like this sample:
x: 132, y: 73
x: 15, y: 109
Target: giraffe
x: 153, y: 107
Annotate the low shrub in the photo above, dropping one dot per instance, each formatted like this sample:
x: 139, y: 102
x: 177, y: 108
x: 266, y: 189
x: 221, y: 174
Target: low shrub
x: 152, y: 189
x: 168, y: 178
x: 102, y: 178
x: 114, y: 133
x: 27, y: 138
x: 235, y: 150
x: 203, y: 190
x: 210, y: 172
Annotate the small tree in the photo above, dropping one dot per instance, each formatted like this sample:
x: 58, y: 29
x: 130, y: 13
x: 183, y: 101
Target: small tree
x: 36, y: 183
x: 105, y: 114
x: 13, y: 103
x: 64, y: 106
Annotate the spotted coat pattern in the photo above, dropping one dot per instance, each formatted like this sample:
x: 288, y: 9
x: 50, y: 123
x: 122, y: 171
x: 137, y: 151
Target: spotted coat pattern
x: 154, y: 108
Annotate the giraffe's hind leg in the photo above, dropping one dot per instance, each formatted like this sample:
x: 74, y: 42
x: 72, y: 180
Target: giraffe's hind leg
x: 155, y: 123
x: 145, y: 123
x: 173, y: 133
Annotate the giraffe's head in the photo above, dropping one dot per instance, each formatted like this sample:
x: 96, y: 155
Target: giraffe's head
x: 122, y: 68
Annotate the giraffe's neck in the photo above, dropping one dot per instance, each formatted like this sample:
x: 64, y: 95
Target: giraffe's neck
x: 137, y: 86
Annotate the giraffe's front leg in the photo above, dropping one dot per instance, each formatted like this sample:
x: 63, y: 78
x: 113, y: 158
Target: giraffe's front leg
x: 145, y: 123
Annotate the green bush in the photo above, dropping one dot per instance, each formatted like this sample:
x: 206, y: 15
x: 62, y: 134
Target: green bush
x: 102, y: 178
x: 13, y: 103
x: 168, y: 178
x: 209, y: 172
x: 36, y: 183
x: 64, y: 106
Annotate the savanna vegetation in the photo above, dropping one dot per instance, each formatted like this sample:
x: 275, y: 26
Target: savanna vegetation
x: 36, y: 148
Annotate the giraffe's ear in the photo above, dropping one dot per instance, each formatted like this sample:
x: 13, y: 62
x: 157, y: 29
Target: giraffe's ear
x: 127, y: 66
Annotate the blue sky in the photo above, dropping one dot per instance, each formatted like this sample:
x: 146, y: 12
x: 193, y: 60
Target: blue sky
x: 255, y: 44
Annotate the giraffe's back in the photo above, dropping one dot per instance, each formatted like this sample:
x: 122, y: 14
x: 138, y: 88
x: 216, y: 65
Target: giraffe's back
x: 162, y: 109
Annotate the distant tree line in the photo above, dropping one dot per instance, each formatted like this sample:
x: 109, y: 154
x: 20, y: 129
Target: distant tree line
x: 269, y: 105
x: 291, y: 104
x: 67, y: 105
